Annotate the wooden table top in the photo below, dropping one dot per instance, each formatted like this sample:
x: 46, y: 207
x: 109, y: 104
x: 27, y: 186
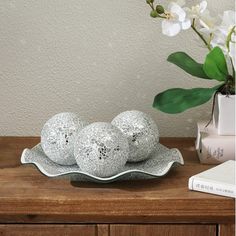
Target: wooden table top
x: 28, y: 196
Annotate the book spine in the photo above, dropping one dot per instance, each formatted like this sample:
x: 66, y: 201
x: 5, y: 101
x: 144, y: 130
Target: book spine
x: 221, y: 150
x: 216, y: 150
x: 210, y: 187
x: 212, y: 148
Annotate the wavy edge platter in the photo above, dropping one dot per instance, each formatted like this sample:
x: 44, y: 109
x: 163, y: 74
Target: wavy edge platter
x: 159, y: 164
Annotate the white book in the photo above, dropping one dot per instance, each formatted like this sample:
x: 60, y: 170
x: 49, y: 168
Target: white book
x: 213, y: 148
x: 219, y: 180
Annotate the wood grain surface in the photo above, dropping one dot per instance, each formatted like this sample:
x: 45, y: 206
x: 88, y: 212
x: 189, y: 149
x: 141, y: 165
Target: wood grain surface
x: 163, y: 229
x: 26, y: 196
x: 226, y: 230
x: 47, y: 230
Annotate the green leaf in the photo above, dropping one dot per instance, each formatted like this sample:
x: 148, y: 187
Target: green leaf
x: 215, y: 65
x: 188, y: 64
x: 177, y: 100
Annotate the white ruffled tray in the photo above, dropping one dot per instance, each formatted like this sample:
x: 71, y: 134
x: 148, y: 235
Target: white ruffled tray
x: 159, y: 164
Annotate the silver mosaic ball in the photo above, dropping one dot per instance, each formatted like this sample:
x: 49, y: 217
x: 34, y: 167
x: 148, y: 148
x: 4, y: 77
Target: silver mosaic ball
x: 58, y: 136
x: 141, y: 132
x: 101, y: 149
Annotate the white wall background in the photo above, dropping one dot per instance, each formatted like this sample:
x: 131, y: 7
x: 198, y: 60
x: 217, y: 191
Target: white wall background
x: 96, y: 58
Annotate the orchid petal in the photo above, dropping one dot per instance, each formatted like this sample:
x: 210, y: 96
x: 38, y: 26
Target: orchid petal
x: 170, y: 28
x: 203, y: 6
x: 203, y: 24
x: 186, y: 24
x: 178, y: 11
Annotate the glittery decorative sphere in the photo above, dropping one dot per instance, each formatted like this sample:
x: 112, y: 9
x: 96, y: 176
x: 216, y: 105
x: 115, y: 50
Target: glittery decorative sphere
x: 141, y: 132
x: 101, y: 149
x: 58, y: 136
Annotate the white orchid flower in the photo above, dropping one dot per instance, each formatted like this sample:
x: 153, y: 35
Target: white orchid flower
x: 207, y: 23
x: 198, y: 10
x: 202, y: 17
x: 175, y: 21
x: 225, y: 33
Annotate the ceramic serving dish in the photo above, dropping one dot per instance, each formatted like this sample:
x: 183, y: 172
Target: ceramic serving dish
x: 159, y: 164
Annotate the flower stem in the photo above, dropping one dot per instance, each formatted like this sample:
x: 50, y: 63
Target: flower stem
x: 151, y: 5
x: 228, y: 40
x: 200, y: 36
x: 229, y: 36
x: 233, y: 69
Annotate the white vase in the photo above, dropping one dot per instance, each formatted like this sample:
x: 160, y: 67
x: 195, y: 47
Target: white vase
x: 224, y: 114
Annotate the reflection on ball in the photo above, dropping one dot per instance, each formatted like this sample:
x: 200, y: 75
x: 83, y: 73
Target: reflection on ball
x: 58, y: 136
x: 141, y: 132
x: 101, y: 149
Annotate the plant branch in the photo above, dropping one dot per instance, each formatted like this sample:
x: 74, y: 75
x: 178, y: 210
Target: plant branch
x: 151, y: 5
x: 200, y: 35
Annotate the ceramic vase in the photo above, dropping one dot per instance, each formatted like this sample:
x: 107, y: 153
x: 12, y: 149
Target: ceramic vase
x: 224, y: 114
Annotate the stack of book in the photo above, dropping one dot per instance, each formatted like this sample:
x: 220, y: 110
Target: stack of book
x: 213, y: 148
